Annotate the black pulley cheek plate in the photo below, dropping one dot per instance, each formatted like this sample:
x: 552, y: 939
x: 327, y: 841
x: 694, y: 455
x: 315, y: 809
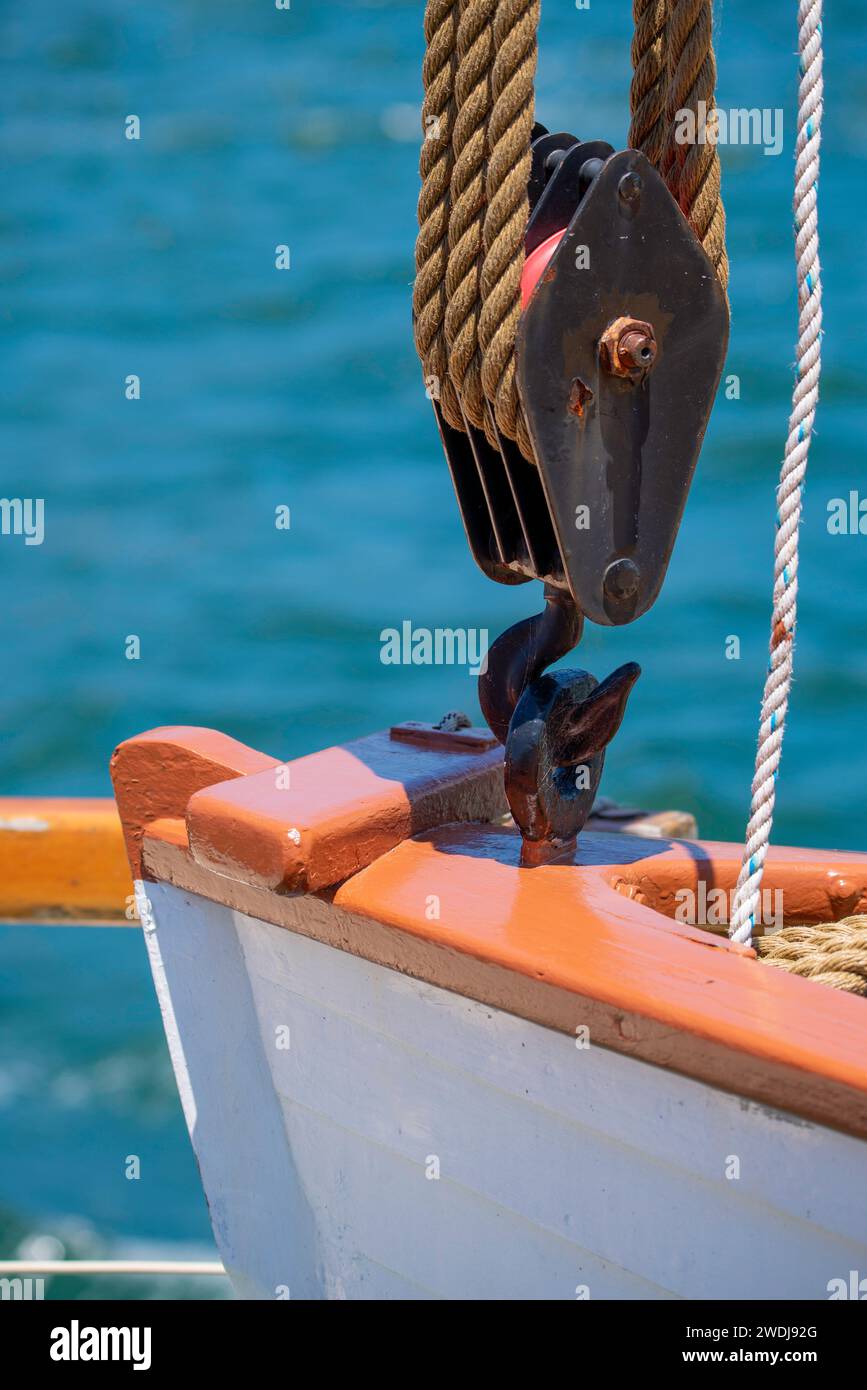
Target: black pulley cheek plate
x: 542, y: 147
x: 554, y: 208
x: 617, y: 438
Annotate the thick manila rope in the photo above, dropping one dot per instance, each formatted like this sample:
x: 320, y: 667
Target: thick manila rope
x: 477, y: 118
x: 647, y: 97
x: 434, y: 206
x: 478, y: 113
x: 692, y: 168
x: 834, y: 953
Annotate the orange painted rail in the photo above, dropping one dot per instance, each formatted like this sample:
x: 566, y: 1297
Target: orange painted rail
x: 62, y: 859
x: 378, y: 832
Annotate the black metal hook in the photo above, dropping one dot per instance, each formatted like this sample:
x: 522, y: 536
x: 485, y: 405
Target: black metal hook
x: 522, y: 653
x: 555, y: 726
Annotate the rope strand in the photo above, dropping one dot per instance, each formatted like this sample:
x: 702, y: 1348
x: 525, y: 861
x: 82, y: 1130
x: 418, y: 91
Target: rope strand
x: 647, y: 94
x: 509, y: 136
x: 468, y: 197
x: 775, y: 701
x: 692, y: 170
x: 435, y: 166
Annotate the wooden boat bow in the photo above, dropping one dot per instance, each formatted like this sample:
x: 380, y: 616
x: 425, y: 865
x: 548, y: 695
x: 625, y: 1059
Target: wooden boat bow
x: 398, y: 844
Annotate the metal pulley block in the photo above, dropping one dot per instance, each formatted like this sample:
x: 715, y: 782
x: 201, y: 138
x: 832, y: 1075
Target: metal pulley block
x: 619, y: 353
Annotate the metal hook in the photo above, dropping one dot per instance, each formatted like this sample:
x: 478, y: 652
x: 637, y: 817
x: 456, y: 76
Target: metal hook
x: 523, y: 652
x: 555, y: 726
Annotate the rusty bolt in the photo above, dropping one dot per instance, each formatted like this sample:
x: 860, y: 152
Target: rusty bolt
x: 637, y: 348
x: 627, y: 348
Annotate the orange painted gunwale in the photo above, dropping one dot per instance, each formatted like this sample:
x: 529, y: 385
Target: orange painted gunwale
x: 578, y: 933
x: 561, y: 944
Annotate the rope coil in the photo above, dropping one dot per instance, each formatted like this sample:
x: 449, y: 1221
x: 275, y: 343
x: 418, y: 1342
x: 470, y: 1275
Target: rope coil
x: 833, y: 953
x: 478, y: 113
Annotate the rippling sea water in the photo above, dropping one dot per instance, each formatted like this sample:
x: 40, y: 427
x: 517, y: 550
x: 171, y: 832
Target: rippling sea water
x: 262, y: 388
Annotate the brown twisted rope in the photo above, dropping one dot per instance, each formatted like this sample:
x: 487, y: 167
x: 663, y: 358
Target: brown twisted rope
x: 473, y: 99
x: 648, y: 131
x: 511, y: 125
x: 479, y: 77
x: 692, y: 171
x: 434, y: 205
x: 833, y: 953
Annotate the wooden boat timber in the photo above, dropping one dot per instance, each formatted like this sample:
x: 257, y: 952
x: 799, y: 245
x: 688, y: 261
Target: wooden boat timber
x: 62, y: 860
x: 411, y: 1068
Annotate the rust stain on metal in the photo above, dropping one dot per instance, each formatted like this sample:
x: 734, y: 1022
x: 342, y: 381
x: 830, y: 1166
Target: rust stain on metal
x: 579, y: 396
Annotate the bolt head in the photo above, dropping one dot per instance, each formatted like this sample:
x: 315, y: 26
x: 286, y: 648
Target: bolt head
x: 621, y: 580
x: 629, y: 189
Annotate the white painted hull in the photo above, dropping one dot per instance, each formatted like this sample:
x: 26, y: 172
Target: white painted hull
x: 563, y: 1172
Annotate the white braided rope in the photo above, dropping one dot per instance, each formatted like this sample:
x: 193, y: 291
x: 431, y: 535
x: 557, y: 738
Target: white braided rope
x: 804, y: 400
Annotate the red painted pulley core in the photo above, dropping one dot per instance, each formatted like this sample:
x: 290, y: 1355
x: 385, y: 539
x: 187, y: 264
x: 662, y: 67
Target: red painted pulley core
x: 536, y: 264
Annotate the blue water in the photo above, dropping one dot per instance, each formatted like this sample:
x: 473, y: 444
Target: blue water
x: 262, y: 388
